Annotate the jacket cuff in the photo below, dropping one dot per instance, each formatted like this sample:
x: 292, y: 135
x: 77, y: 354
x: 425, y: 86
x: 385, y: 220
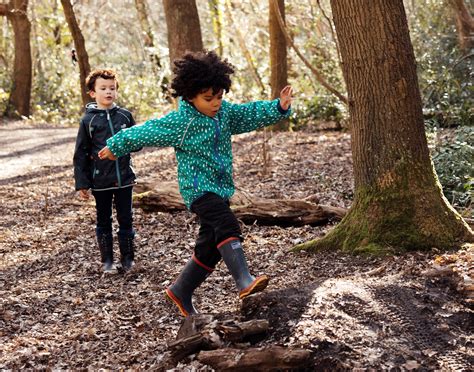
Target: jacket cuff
x: 281, y: 110
x: 111, y: 144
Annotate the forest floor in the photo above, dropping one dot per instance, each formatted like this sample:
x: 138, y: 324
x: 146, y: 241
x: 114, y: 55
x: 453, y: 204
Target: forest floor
x: 57, y: 311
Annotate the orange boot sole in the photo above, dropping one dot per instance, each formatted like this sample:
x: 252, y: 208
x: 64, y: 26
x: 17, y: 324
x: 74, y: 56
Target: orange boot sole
x: 258, y: 285
x: 174, y: 300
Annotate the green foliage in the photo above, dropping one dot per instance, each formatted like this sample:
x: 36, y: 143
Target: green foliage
x: 454, y: 164
x: 317, y: 109
x: 3, y: 100
x: 445, y: 75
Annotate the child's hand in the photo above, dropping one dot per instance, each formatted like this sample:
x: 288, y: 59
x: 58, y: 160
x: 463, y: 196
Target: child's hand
x: 285, y: 97
x: 84, y: 194
x: 105, y: 153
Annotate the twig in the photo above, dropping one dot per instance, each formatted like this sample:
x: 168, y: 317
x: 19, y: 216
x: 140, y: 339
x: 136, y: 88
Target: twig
x: 316, y: 73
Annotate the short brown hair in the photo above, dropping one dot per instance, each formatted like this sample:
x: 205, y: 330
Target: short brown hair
x: 100, y: 73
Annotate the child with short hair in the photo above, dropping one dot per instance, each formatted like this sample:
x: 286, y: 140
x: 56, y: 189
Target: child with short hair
x: 200, y: 132
x: 110, y: 181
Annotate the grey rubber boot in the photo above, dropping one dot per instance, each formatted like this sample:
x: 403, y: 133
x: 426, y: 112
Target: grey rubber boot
x: 233, y: 255
x: 181, y: 291
x: 127, y: 249
x: 106, y: 247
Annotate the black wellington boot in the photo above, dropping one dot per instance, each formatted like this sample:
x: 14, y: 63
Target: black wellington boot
x: 181, y: 291
x: 127, y: 249
x: 233, y: 255
x: 106, y: 247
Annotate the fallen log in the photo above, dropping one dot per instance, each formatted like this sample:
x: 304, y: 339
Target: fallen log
x: 275, y: 358
x: 203, y: 332
x: 164, y: 197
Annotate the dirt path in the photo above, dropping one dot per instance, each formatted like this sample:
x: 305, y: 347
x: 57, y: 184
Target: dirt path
x: 24, y: 150
x: 58, y: 312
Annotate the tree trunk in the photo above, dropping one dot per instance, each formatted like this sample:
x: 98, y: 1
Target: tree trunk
x: 216, y: 15
x: 19, y: 101
x: 184, y: 30
x: 278, y: 54
x: 80, y: 45
x: 464, y: 25
x: 398, y: 202
x: 57, y: 27
x: 148, y: 39
x: 243, y: 46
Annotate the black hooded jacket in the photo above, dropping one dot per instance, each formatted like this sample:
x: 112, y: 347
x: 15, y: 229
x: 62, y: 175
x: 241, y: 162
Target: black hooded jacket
x: 97, y: 125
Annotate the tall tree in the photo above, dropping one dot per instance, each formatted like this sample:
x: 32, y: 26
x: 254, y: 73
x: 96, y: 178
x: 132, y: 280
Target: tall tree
x: 278, y: 54
x: 216, y: 16
x: 147, y: 32
x: 243, y: 47
x: 20, y: 95
x: 464, y: 25
x: 184, y: 29
x: 398, y: 202
x: 80, y: 45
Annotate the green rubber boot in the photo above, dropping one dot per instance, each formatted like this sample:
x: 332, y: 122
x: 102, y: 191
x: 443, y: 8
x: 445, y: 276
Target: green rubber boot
x: 233, y: 255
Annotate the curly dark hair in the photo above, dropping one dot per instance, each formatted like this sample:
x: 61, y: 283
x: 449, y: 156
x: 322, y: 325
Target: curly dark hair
x: 100, y: 73
x: 197, y: 72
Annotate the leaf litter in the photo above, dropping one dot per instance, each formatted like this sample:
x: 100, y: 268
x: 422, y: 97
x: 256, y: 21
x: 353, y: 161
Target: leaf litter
x: 57, y: 311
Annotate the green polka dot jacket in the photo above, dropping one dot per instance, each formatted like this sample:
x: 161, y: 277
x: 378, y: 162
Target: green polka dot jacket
x: 202, y: 144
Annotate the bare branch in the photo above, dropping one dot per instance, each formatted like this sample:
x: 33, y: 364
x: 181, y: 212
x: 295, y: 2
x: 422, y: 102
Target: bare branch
x: 243, y: 46
x: 316, y: 73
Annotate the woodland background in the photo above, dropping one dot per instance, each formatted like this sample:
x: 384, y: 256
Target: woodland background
x: 410, y: 311
x: 116, y: 38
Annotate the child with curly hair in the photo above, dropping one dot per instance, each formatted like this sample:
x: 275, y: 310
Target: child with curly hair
x: 200, y: 132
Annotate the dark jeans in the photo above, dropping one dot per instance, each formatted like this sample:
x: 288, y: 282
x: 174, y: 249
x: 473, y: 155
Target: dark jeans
x: 218, y: 223
x: 122, y: 198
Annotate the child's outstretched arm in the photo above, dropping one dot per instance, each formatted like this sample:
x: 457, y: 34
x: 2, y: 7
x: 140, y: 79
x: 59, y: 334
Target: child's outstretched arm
x: 161, y: 132
x: 253, y: 115
x: 105, y: 153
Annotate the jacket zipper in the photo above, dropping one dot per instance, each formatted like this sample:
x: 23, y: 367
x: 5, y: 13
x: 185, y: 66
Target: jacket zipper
x: 117, y: 168
x: 216, y: 151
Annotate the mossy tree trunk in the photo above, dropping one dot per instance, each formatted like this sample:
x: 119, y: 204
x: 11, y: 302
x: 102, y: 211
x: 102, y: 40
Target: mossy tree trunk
x: 20, y: 95
x: 398, y: 202
x: 217, y: 23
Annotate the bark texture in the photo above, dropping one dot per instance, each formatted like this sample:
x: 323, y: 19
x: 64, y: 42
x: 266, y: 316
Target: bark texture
x: 273, y: 358
x: 200, y: 333
x: 80, y: 45
x: 184, y: 29
x: 164, y: 197
x: 278, y: 55
x: 398, y: 202
x: 20, y: 95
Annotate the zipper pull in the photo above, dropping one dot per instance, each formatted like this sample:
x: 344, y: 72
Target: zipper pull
x: 108, y: 115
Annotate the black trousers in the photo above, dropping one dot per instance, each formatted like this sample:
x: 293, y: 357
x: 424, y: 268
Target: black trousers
x: 217, y: 223
x: 122, y: 198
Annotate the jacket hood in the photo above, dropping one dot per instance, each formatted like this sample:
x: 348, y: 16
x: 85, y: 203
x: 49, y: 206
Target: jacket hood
x: 91, y: 107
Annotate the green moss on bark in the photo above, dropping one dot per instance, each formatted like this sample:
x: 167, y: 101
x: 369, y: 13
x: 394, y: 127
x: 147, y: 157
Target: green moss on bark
x: 394, y: 220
